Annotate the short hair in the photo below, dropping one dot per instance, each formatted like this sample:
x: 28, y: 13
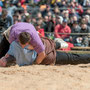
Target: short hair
x: 24, y: 37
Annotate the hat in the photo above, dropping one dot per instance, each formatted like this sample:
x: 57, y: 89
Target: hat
x: 65, y: 20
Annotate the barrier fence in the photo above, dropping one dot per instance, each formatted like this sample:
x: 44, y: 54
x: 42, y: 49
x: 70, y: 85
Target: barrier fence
x: 75, y: 49
x: 31, y: 8
x: 70, y: 33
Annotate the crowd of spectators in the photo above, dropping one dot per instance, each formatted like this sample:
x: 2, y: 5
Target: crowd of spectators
x: 51, y: 18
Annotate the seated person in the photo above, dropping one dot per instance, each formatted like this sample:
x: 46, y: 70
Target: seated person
x: 39, y: 29
x: 61, y: 30
x: 85, y: 38
x: 75, y: 38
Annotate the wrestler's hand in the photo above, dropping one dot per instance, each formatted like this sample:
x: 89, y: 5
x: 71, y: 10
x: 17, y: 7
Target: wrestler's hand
x: 3, y: 62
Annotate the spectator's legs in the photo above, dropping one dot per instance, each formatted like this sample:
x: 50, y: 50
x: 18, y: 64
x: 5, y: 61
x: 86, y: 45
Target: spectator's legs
x: 67, y: 58
x: 60, y: 43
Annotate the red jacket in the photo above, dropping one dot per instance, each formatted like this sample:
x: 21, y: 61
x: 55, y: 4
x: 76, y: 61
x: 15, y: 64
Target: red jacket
x: 41, y: 32
x: 60, y: 29
x: 79, y: 9
x: 22, y: 2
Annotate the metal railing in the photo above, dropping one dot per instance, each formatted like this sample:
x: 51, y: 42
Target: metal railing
x: 69, y: 33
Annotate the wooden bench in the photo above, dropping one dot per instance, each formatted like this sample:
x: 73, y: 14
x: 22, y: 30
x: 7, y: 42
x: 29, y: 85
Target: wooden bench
x: 81, y: 48
x: 76, y: 51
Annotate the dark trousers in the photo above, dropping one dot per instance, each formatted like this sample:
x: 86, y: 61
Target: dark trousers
x: 68, y: 58
x: 4, y: 47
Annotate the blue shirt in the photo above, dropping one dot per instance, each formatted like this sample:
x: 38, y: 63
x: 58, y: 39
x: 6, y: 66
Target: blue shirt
x: 23, y: 56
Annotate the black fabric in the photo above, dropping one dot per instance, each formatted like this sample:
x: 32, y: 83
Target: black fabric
x: 58, y: 45
x: 4, y: 47
x: 50, y: 26
x: 67, y: 58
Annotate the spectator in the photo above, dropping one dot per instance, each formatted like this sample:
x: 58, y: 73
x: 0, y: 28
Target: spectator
x: 49, y: 14
x: 39, y: 15
x: 33, y: 21
x: 64, y: 28
x: 6, y: 20
x: 87, y: 11
x: 63, y: 4
x: 65, y: 14
x: 48, y: 9
x: 15, y: 2
x: 74, y: 17
x: 51, y: 24
x: 46, y: 20
x: 85, y: 38
x: 11, y: 9
x: 74, y: 13
x: 59, y: 19
x: 87, y: 19
x: 86, y: 3
x: 81, y: 2
x: 56, y: 11
x: 39, y: 29
x: 16, y: 21
x: 22, y: 1
x: 58, y: 2
x: 85, y: 28
x: 24, y: 6
x: 79, y: 8
x: 1, y: 3
x: 75, y: 29
x: 27, y: 19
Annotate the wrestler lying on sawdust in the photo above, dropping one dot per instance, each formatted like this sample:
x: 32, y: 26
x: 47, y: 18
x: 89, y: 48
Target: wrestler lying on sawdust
x: 24, y: 54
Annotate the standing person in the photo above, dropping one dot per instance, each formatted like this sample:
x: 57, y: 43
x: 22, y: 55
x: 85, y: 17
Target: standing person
x: 35, y: 40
